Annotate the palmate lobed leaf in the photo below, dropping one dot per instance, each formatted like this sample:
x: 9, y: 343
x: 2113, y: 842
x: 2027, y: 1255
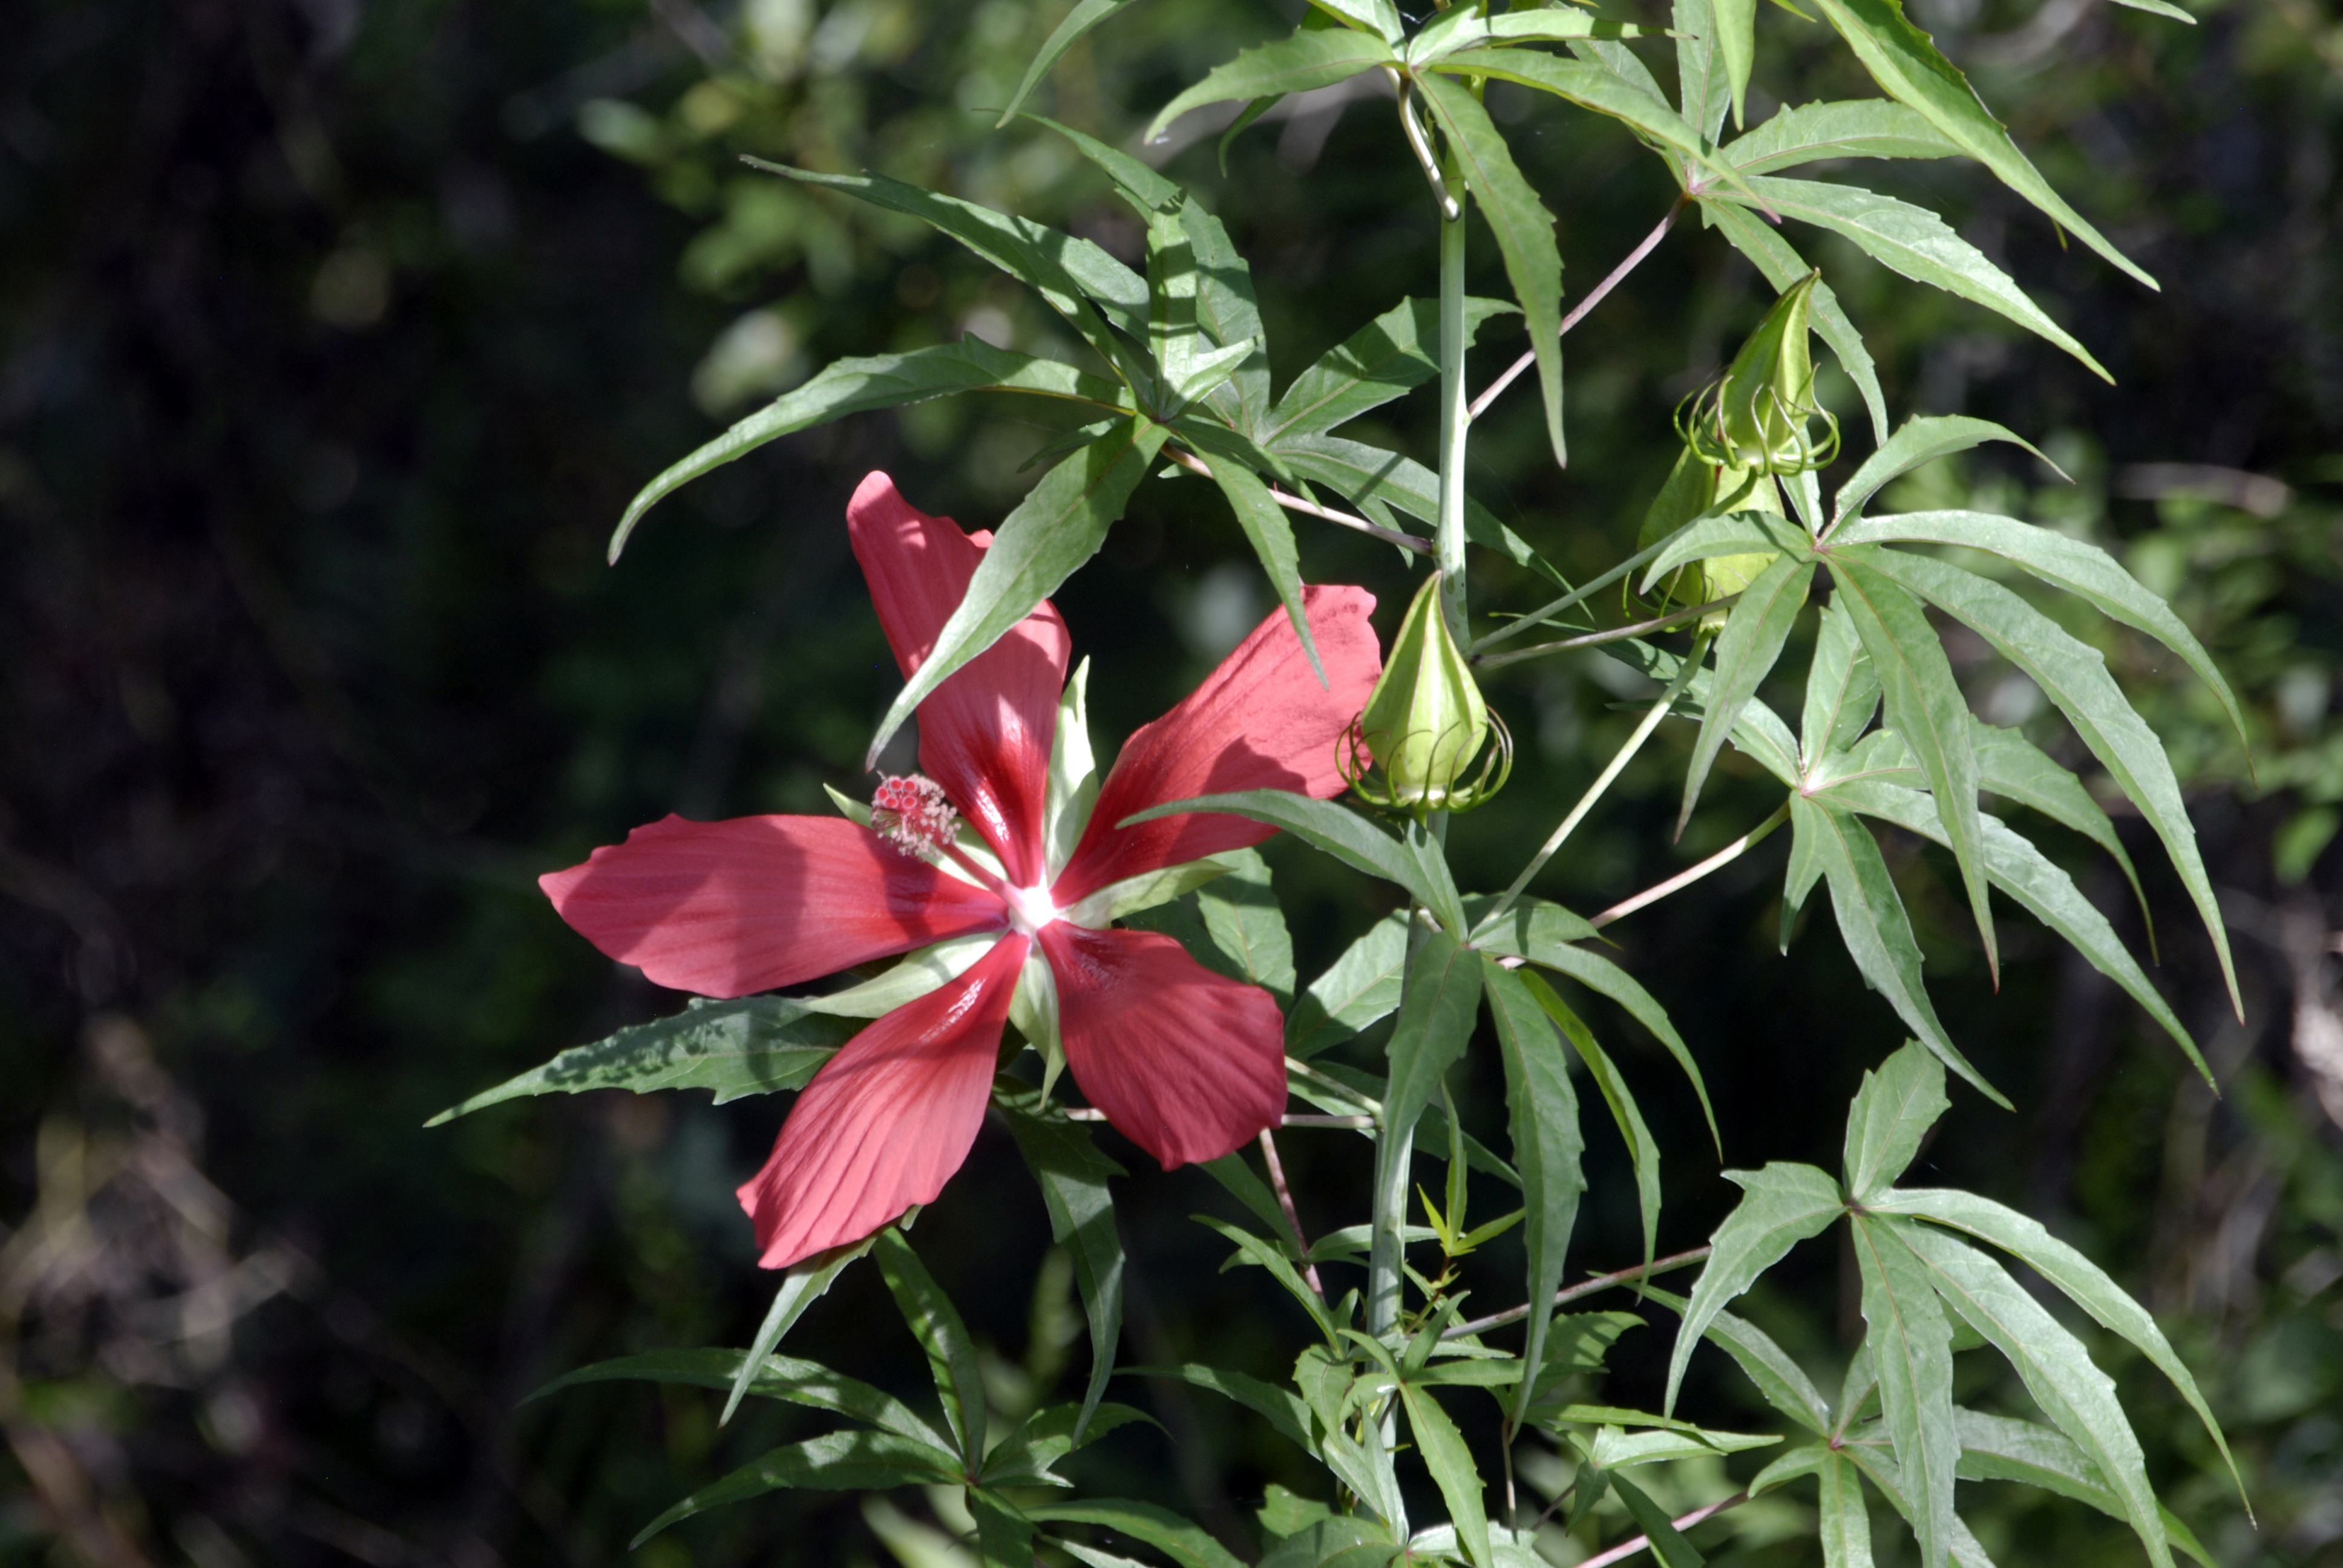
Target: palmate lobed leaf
x: 754, y: 1045
x: 1910, y: 1341
x: 1338, y: 831
x: 840, y: 1461
x: 936, y: 1323
x: 1643, y: 1149
x: 1898, y: 1102
x: 1781, y: 1206
x: 1547, y: 1145
x: 1452, y: 1470
x: 1357, y: 990
x: 1073, y: 1175
x: 1778, y: 1379
x: 1909, y: 240
x: 1746, y: 652
x: 1923, y: 439
x: 1391, y: 355
x: 1850, y: 128
x: 1906, y: 65
x: 2075, y: 677
x: 1294, y: 64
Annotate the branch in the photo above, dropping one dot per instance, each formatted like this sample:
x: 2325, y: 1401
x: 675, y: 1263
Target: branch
x: 1292, y: 1215
x: 1594, y: 638
x: 1292, y: 503
x: 1725, y: 857
x: 1627, y: 1549
x: 1634, y: 256
x: 1570, y: 1294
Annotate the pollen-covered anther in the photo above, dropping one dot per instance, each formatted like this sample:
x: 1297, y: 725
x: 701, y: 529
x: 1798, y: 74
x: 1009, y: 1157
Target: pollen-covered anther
x: 911, y: 813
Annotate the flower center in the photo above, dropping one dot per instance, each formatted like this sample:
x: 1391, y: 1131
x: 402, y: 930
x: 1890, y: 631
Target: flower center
x: 911, y: 813
x: 1030, y: 909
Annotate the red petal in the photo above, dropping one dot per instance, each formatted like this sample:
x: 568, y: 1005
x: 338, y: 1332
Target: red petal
x: 985, y: 733
x: 1187, y: 1064
x: 887, y: 1119
x: 724, y: 909
x: 1260, y: 721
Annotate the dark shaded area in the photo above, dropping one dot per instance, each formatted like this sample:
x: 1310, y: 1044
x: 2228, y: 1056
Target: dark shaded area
x: 329, y: 351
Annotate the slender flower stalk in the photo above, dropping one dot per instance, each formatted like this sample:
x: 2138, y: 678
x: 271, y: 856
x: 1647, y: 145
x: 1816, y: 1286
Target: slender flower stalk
x: 1602, y: 781
x: 1686, y: 877
x: 1633, y: 259
x: 1609, y: 634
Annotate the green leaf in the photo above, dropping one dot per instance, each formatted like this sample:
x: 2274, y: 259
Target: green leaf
x: 1781, y: 1206
x: 1323, y: 825
x: 1643, y: 1149
x: 2074, y: 677
x: 1851, y: 128
x: 1846, y: 1522
x: 1282, y: 1409
x: 1271, y: 535
x: 2019, y: 869
x: 1069, y: 273
x: 1451, y: 1467
x: 1074, y: 784
x: 1794, y: 1465
x: 1899, y: 1100
x: 1548, y: 1148
x: 1073, y: 1175
x: 1054, y: 530
x: 1004, y: 1536
x: 1736, y: 45
x: 1750, y: 531
x: 2057, y: 1371
x: 1436, y: 1013
x: 1996, y: 1448
x: 1906, y: 64
x: 1780, y: 1380
x: 1027, y: 1456
x: 1911, y: 1350
x: 2082, y: 1282
x: 1240, y: 914
x: 1598, y: 973
x: 1783, y: 267
x: 1469, y: 27
x: 1703, y: 88
x: 805, y: 1283
x: 1357, y: 988
x: 1746, y: 651
x: 1085, y: 16
x: 913, y: 976
x: 1594, y: 86
x: 1151, y: 191
x: 804, y: 1383
x: 880, y: 381
x: 1395, y: 352
x: 1924, y: 438
x: 1184, y: 1543
x: 1925, y: 707
x: 1841, y: 690
x: 1877, y: 932
x: 2081, y: 568
x: 1667, y: 1543
x: 840, y: 1462
x: 1271, y: 1256
x: 1523, y: 227
x: 756, y: 1045
x: 1380, y: 17
x: 2014, y: 768
x: 1229, y: 313
x: 1878, y: 1466
x: 1295, y: 64
x: 1912, y: 241
x: 936, y: 1323
x: 1615, y: 1449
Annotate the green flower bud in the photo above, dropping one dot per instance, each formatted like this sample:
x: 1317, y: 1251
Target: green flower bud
x: 1757, y: 416
x: 1425, y: 723
x: 1695, y: 488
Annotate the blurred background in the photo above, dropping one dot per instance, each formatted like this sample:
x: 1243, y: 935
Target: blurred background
x: 336, y: 334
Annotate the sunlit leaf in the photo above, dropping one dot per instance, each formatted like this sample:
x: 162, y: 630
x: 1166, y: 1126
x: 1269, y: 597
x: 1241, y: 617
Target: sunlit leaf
x: 1326, y: 826
x: 1905, y: 63
x: 2079, y: 1398
x: 756, y: 1045
x: 1997, y: 1448
x: 1294, y: 64
x: 1357, y: 988
x: 1267, y: 529
x: 804, y: 1383
x: 1548, y: 1147
x: 1910, y: 1341
x: 936, y: 1324
x: 1762, y: 242
x: 1519, y: 220
x: 1779, y: 1379
x: 1643, y: 1149
x: 1846, y: 1522
x: 1781, y: 1206
x: 1058, y: 525
x: 1752, y: 641
x: 1842, y: 689
x: 1396, y: 351
x: 1925, y: 707
x: 1924, y: 438
x: 840, y: 1462
x: 1851, y: 128
x: 1186, y: 1544
x: 803, y: 1284
x: 1899, y: 1100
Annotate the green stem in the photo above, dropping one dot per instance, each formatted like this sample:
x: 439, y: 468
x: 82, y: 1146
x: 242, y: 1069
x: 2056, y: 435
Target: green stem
x: 1684, y: 672
x: 1455, y: 422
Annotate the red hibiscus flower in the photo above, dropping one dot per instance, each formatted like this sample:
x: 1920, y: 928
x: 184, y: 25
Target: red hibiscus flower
x: 1188, y: 1064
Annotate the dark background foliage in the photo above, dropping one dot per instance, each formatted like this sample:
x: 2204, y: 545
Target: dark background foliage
x: 333, y: 338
